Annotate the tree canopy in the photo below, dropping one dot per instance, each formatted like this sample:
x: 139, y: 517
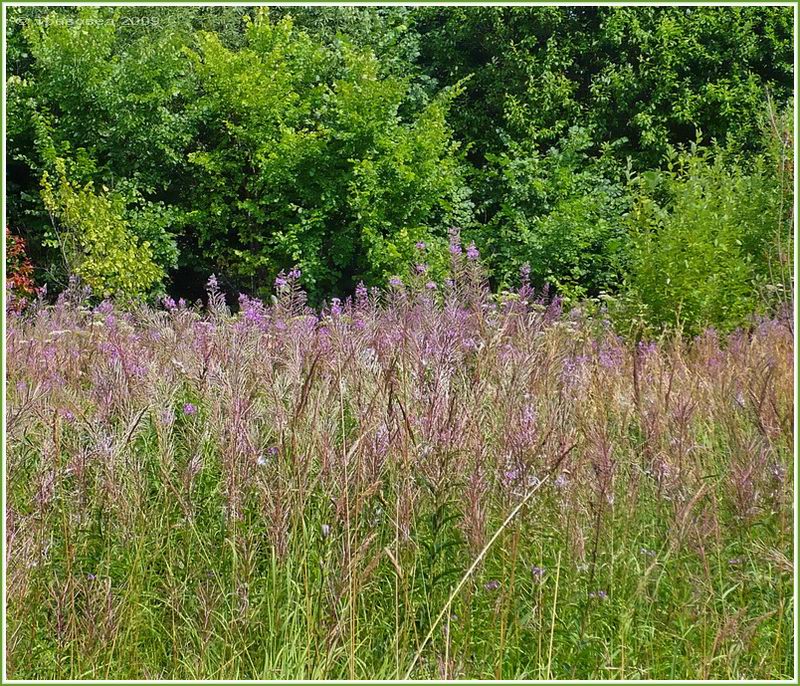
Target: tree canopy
x: 149, y: 147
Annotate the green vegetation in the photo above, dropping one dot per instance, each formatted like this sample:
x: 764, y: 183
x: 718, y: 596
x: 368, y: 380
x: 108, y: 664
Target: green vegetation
x: 244, y: 142
x: 284, y: 494
x: 432, y: 342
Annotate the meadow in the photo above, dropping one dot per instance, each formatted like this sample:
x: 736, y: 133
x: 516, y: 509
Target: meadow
x: 427, y: 481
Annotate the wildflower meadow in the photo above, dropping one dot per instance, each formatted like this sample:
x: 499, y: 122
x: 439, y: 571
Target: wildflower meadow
x: 418, y: 482
x: 399, y: 342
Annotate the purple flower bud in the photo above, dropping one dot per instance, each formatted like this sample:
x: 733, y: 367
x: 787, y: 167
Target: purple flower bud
x: 472, y: 252
x: 493, y: 585
x: 362, y: 296
x: 431, y: 286
x: 189, y: 409
x: 421, y: 245
x: 537, y: 572
x: 396, y: 282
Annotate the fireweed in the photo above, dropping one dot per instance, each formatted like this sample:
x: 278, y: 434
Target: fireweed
x: 290, y: 493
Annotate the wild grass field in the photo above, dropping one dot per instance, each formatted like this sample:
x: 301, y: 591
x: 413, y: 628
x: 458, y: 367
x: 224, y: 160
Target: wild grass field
x: 429, y: 482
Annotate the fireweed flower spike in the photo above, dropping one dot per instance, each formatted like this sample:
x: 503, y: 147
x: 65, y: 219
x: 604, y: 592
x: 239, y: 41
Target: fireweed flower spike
x: 318, y: 425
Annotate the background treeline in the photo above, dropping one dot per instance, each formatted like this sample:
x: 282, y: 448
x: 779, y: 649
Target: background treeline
x: 640, y: 157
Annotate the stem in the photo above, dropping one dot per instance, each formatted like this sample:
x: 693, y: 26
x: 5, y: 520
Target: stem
x: 469, y: 572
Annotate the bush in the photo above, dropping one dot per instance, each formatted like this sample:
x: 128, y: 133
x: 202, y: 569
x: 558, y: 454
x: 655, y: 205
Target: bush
x: 703, y: 234
x: 96, y: 242
x: 306, y: 160
x: 561, y: 213
x: 20, y: 286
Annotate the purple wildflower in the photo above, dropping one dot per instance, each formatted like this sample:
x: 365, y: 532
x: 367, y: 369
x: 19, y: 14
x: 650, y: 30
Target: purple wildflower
x: 420, y: 245
x: 362, y: 295
x: 472, y: 252
x: 66, y: 414
x: 455, y: 241
x: 431, y: 285
x: 493, y: 585
x: 189, y: 409
x: 396, y: 282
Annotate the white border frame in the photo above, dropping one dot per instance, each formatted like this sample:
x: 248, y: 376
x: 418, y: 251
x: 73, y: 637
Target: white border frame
x: 794, y: 679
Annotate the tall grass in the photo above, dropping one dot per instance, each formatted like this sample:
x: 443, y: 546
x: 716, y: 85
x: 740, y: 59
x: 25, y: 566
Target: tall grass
x: 284, y: 493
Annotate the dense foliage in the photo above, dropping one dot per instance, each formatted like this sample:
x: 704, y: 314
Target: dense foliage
x: 290, y: 493
x: 245, y: 142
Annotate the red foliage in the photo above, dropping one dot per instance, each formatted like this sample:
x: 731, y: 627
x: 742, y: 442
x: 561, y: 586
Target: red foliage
x: 19, y: 274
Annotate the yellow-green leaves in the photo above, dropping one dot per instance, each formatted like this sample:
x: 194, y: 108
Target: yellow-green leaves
x: 95, y: 238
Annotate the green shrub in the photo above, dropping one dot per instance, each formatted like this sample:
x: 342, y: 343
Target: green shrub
x: 306, y: 160
x: 96, y: 241
x: 702, y: 235
x: 561, y: 213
